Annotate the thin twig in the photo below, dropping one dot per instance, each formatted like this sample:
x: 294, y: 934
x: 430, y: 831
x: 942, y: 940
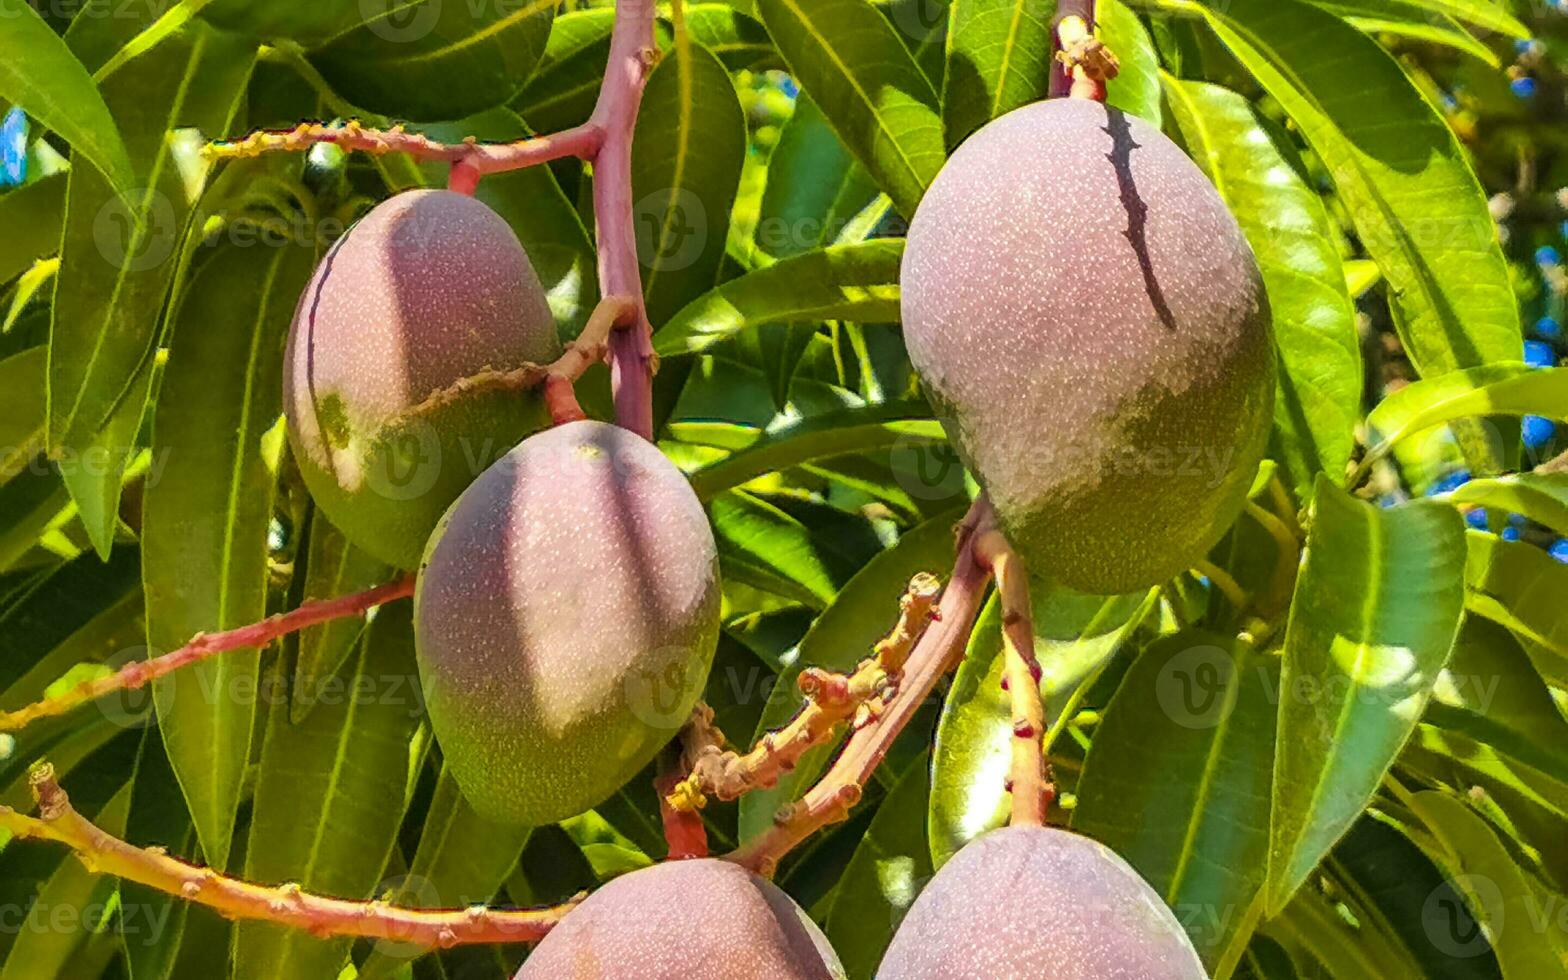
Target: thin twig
x: 1028, y: 780
x: 204, y: 645
x: 1083, y: 63
x: 286, y: 905
x: 831, y: 699
x: 1223, y: 581
x: 938, y: 651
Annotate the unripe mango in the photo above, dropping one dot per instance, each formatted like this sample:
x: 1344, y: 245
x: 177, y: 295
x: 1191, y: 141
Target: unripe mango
x: 389, y: 411
x: 566, y: 616
x: 1023, y: 903
x: 685, y: 920
x: 1091, y: 326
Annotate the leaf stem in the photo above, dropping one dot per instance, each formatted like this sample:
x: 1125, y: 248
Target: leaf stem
x: 287, y: 905
x: 937, y: 651
x: 204, y: 645
x: 1029, y: 778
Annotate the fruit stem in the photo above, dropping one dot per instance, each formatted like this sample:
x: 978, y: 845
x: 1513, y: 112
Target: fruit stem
x: 473, y: 158
x: 684, y: 830
x: 831, y: 699
x: 1225, y: 582
x: 1082, y: 63
x: 204, y: 645
x: 286, y: 905
x: 632, y: 55
x: 1028, y: 775
x: 938, y: 650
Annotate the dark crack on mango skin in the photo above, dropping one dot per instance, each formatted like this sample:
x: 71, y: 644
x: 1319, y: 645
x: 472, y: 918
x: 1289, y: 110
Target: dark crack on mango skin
x: 1091, y: 326
x: 407, y: 365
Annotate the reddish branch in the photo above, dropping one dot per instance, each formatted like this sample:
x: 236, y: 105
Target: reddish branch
x: 938, y: 651
x: 205, y: 645
x: 286, y: 904
x: 1083, y: 63
x: 831, y: 699
x: 1028, y: 779
x: 684, y: 831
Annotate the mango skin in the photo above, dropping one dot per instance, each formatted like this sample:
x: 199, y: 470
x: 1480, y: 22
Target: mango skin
x: 566, y: 616
x: 1092, y: 328
x: 429, y: 288
x: 685, y: 920
x: 1023, y: 903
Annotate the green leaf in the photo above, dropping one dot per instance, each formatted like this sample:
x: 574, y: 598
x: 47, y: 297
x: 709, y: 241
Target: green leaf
x: 850, y: 282
x: 999, y: 57
x: 40, y: 74
x: 1541, y: 497
x: 890, y: 866
x: 1400, y: 173
x: 803, y: 440
x: 1136, y: 88
x: 815, y: 187
x: 437, y: 60
x: 333, y: 567
x: 860, y: 615
x: 21, y: 410
x: 1320, y: 379
x: 152, y: 922
x: 1408, y: 20
x: 1374, y: 616
x: 849, y: 57
x: 738, y: 40
x: 1514, y: 908
x: 566, y: 81
x: 1193, y: 817
x: 204, y: 537
x: 762, y: 545
x: 1520, y: 586
x: 31, y: 215
x: 686, y: 161
x: 1482, y: 13
x: 119, y: 255
x: 308, y: 21
x: 1075, y: 637
x: 1508, y: 388
x: 330, y: 794
x: 1491, y: 692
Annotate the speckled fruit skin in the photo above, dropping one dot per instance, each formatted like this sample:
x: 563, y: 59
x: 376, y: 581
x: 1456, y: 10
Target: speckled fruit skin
x: 1092, y: 327
x: 429, y: 288
x: 1026, y: 903
x: 685, y: 920
x: 566, y: 617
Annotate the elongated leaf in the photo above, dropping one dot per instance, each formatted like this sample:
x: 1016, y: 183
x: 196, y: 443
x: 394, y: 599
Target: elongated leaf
x: 1319, y: 397
x: 849, y: 57
x: 566, y: 81
x: 331, y: 793
x: 462, y: 860
x: 1375, y: 613
x: 41, y: 75
x: 152, y: 922
x: 435, y: 60
x: 820, y: 437
x: 737, y: 39
x: 118, y: 257
x: 761, y: 544
x: 1404, y: 19
x: 999, y: 57
x: 1513, y: 908
x: 891, y: 865
x: 1400, y: 172
x: 204, y: 536
x: 1542, y: 497
x: 815, y: 186
x: 686, y: 162
x: 1492, y: 692
x: 333, y: 567
x: 1075, y: 636
x: 1192, y: 818
x: 21, y: 410
x: 31, y: 215
x: 860, y: 615
x: 1136, y: 88
x: 851, y: 282
x: 1482, y: 13
x: 1508, y: 388
x: 1520, y: 586
x: 308, y: 21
